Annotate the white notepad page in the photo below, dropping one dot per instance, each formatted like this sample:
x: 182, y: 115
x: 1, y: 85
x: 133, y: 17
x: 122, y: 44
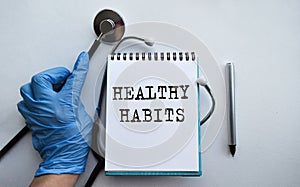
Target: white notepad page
x: 152, y: 113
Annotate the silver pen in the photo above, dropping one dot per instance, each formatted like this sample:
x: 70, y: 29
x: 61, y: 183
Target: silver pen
x: 230, y: 88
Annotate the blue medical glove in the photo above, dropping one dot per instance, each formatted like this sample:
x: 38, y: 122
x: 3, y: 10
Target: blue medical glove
x: 61, y: 128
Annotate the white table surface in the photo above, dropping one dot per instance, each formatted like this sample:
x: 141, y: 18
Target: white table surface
x: 261, y: 37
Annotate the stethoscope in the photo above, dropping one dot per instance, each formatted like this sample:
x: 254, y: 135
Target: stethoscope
x: 110, y: 28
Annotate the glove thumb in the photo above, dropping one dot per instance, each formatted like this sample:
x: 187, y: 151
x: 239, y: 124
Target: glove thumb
x: 76, y: 80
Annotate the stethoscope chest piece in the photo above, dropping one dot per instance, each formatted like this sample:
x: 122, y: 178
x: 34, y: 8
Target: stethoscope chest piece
x: 109, y: 24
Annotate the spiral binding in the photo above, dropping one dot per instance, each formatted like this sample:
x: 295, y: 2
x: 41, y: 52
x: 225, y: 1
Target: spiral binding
x: 162, y: 56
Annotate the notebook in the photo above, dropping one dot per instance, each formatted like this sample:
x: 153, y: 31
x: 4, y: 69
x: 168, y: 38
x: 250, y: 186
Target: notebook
x: 152, y: 114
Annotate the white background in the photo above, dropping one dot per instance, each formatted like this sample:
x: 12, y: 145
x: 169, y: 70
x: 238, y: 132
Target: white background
x: 261, y: 37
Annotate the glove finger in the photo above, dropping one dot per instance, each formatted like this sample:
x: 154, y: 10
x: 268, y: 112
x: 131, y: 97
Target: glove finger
x: 76, y: 79
x: 22, y: 108
x: 42, y: 83
x: 27, y: 94
x: 35, y: 118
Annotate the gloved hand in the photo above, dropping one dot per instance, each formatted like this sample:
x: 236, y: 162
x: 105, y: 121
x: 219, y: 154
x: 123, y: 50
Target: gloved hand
x: 61, y: 128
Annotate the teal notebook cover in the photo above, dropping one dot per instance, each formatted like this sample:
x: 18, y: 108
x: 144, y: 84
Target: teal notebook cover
x: 143, y: 103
